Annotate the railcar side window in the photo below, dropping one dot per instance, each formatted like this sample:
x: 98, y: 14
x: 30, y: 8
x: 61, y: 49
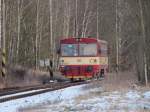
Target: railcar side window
x: 69, y: 49
x: 104, y: 50
x: 88, y: 49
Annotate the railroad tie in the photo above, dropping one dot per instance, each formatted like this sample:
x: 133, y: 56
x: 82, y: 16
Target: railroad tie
x: 3, y: 63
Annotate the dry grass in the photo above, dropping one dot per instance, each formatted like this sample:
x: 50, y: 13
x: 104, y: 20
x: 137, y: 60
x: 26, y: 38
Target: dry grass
x: 120, y: 81
x: 123, y: 81
x: 116, y: 81
x: 18, y: 76
x: 2, y: 85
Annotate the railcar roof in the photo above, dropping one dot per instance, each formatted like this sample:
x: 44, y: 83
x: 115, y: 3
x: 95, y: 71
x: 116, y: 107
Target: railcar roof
x: 85, y: 38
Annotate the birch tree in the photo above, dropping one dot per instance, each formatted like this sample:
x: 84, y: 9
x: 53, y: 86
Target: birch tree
x: 117, y: 37
x: 143, y: 44
x: 51, y: 30
x: 37, y: 35
x: 97, y: 19
x: 85, y: 18
x: 20, y: 8
x: 0, y: 27
x: 76, y: 20
x: 3, y: 25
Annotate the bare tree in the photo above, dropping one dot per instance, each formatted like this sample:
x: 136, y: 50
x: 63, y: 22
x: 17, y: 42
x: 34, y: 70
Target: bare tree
x: 3, y: 25
x: 0, y: 24
x: 76, y: 20
x: 0, y: 27
x: 97, y: 19
x: 51, y: 29
x: 85, y: 17
x: 20, y: 10
x: 37, y: 35
x: 143, y: 38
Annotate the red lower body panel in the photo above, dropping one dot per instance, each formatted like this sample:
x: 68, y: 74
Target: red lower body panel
x: 80, y: 71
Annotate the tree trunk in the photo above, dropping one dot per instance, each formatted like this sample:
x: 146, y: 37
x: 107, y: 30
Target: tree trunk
x: 76, y: 20
x: 97, y: 20
x: 18, y: 29
x: 37, y: 36
x: 51, y: 29
x: 0, y: 26
x: 117, y: 38
x: 143, y: 43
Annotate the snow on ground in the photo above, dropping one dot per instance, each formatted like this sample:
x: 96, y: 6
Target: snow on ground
x: 68, y: 93
x: 147, y: 95
x: 81, y: 99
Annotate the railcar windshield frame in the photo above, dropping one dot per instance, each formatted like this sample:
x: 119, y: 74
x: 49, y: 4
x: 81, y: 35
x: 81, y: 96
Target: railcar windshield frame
x: 87, y: 49
x: 69, y: 49
x: 79, y: 49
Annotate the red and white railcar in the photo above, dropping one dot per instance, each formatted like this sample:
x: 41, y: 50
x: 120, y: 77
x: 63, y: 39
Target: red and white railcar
x: 82, y: 58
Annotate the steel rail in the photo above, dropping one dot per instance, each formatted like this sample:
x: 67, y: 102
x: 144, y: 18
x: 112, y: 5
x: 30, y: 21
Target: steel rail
x: 48, y: 88
x: 9, y: 91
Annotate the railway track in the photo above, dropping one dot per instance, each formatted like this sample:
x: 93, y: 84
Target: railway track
x: 16, y: 93
x: 8, y: 91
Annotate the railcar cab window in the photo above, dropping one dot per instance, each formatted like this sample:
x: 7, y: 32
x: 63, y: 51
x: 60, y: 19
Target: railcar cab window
x: 88, y: 49
x: 69, y: 49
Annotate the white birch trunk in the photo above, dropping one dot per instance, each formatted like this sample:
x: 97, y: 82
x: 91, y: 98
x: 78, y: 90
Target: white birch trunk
x: 37, y: 36
x: 85, y: 18
x: 18, y: 30
x: 97, y: 20
x: 0, y: 37
x: 3, y: 41
x: 68, y: 18
x: 76, y: 21
x: 87, y: 31
x: 0, y: 26
x: 3, y: 25
x: 51, y: 30
x: 143, y: 42
x: 117, y: 38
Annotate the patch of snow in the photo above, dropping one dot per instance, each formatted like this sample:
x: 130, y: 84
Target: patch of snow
x: 79, y: 99
x: 147, y: 95
x: 132, y: 95
x: 103, y: 104
x: 94, y: 90
x: 144, y: 105
x: 63, y: 94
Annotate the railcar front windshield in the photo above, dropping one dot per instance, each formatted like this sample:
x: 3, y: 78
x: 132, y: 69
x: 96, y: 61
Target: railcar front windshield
x: 69, y: 49
x: 88, y: 49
